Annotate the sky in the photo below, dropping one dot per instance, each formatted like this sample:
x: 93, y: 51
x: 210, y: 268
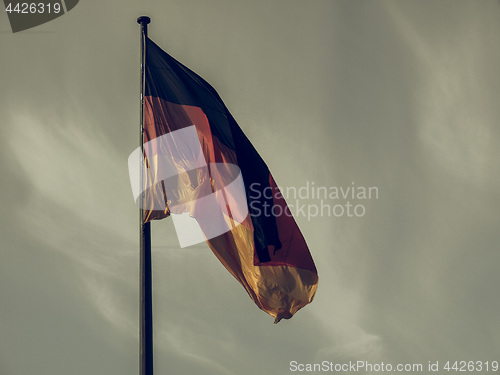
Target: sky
x: 397, y: 95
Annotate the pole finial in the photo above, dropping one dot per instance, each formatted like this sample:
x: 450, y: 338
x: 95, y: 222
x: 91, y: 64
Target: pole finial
x: 143, y: 20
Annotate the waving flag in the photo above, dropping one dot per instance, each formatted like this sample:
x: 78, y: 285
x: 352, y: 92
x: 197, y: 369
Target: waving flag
x: 262, y: 247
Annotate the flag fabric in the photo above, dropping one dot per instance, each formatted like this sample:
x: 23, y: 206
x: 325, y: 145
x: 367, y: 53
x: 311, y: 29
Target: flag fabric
x: 266, y: 251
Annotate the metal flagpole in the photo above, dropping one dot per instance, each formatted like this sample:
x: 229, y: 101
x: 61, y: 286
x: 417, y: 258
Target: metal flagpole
x: 146, y: 296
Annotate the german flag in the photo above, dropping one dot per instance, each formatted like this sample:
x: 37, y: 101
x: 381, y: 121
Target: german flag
x: 266, y: 253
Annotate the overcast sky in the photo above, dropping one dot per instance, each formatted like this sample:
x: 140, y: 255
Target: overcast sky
x: 398, y: 95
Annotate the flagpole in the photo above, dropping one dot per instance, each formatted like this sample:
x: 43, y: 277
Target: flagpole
x: 146, y: 295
